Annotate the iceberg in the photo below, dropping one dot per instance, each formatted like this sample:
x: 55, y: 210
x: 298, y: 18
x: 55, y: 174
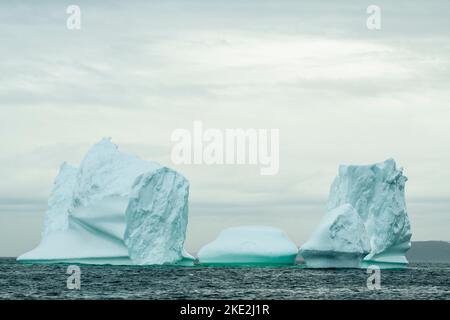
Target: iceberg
x: 115, y: 209
x: 340, y: 241
x: 249, y: 245
x: 377, y: 193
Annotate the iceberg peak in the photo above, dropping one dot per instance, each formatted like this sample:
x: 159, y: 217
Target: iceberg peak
x: 106, y: 171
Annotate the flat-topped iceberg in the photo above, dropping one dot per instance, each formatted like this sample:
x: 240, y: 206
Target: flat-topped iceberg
x: 115, y: 209
x: 377, y: 194
x: 340, y: 241
x: 249, y: 245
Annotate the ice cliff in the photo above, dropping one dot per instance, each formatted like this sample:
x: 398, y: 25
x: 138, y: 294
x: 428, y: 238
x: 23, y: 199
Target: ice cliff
x: 115, y: 209
x: 377, y: 194
x: 249, y: 245
x: 156, y: 213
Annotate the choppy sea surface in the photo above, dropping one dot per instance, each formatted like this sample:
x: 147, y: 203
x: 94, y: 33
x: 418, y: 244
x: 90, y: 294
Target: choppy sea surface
x: 23, y: 281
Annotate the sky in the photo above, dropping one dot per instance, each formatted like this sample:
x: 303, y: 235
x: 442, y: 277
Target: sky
x: 338, y: 92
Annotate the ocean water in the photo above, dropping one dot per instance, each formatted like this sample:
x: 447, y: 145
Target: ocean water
x: 419, y: 281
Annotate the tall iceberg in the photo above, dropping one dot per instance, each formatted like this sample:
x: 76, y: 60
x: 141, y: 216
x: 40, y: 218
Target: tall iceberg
x: 249, y: 245
x: 96, y: 214
x: 377, y: 193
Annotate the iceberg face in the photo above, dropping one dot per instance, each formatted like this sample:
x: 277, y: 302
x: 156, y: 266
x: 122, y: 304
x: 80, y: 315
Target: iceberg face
x: 249, y: 245
x: 377, y: 192
x: 339, y: 241
x: 60, y: 200
x: 157, y: 217
x: 91, y: 212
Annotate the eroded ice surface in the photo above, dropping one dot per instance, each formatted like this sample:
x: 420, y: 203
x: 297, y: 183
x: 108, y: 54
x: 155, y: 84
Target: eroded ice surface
x: 157, y: 217
x: 377, y: 193
x: 340, y: 240
x: 86, y: 220
x: 249, y: 245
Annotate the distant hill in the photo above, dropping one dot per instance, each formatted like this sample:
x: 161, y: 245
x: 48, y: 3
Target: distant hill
x: 429, y: 251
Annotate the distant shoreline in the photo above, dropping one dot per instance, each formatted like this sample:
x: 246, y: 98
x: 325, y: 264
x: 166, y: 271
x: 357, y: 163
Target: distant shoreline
x: 429, y: 251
